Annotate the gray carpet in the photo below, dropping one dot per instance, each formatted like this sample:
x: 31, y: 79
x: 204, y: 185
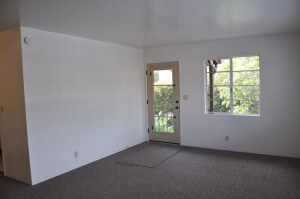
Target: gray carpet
x: 150, y: 154
x: 189, y: 173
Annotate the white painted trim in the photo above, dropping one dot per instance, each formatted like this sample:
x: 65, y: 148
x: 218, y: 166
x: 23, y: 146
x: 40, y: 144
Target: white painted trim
x: 231, y: 86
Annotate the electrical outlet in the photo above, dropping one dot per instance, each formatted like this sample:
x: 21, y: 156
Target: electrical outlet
x: 76, y: 154
x: 226, y: 138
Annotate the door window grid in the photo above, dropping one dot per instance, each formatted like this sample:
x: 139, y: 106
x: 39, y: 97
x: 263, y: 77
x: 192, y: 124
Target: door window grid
x: 163, y: 101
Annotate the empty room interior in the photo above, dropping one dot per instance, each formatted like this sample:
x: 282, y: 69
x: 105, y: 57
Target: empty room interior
x: 150, y: 99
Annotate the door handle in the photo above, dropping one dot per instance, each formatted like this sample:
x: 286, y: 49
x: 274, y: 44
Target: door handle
x: 177, y: 107
x: 174, y: 117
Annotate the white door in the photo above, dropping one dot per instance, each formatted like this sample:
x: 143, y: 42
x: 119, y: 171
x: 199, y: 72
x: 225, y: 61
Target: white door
x: 163, y: 101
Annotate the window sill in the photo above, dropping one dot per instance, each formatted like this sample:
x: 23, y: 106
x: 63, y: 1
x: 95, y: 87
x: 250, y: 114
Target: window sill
x: 230, y: 114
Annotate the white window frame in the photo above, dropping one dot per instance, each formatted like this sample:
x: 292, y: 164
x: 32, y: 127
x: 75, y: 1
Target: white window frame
x: 230, y: 86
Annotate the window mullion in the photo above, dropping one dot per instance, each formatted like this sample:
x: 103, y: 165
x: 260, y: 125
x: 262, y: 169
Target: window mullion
x: 231, y: 86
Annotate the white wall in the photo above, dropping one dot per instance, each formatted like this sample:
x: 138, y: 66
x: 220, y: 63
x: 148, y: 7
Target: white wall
x: 12, y: 119
x: 81, y: 95
x: 88, y: 96
x: 276, y: 131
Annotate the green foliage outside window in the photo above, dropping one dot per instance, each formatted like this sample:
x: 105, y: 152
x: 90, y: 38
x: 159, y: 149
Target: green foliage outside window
x: 245, y: 86
x: 163, y: 105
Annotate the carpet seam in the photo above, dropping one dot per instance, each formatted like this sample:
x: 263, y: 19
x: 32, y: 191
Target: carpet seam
x: 149, y: 167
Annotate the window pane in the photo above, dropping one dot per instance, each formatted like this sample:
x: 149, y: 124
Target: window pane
x: 220, y: 78
x: 221, y: 99
x: 220, y: 106
x: 245, y: 86
x: 245, y: 63
x: 246, y: 93
x: 246, y: 78
x: 220, y: 92
x: 163, y: 77
x: 246, y: 107
x: 224, y: 66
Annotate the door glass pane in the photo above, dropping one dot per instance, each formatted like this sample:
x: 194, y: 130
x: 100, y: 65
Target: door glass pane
x: 163, y: 101
x: 163, y: 112
x: 164, y: 124
x: 163, y: 96
x: 163, y: 77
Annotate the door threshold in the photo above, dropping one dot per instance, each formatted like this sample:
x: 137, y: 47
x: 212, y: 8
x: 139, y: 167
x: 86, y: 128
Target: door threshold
x: 164, y: 142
